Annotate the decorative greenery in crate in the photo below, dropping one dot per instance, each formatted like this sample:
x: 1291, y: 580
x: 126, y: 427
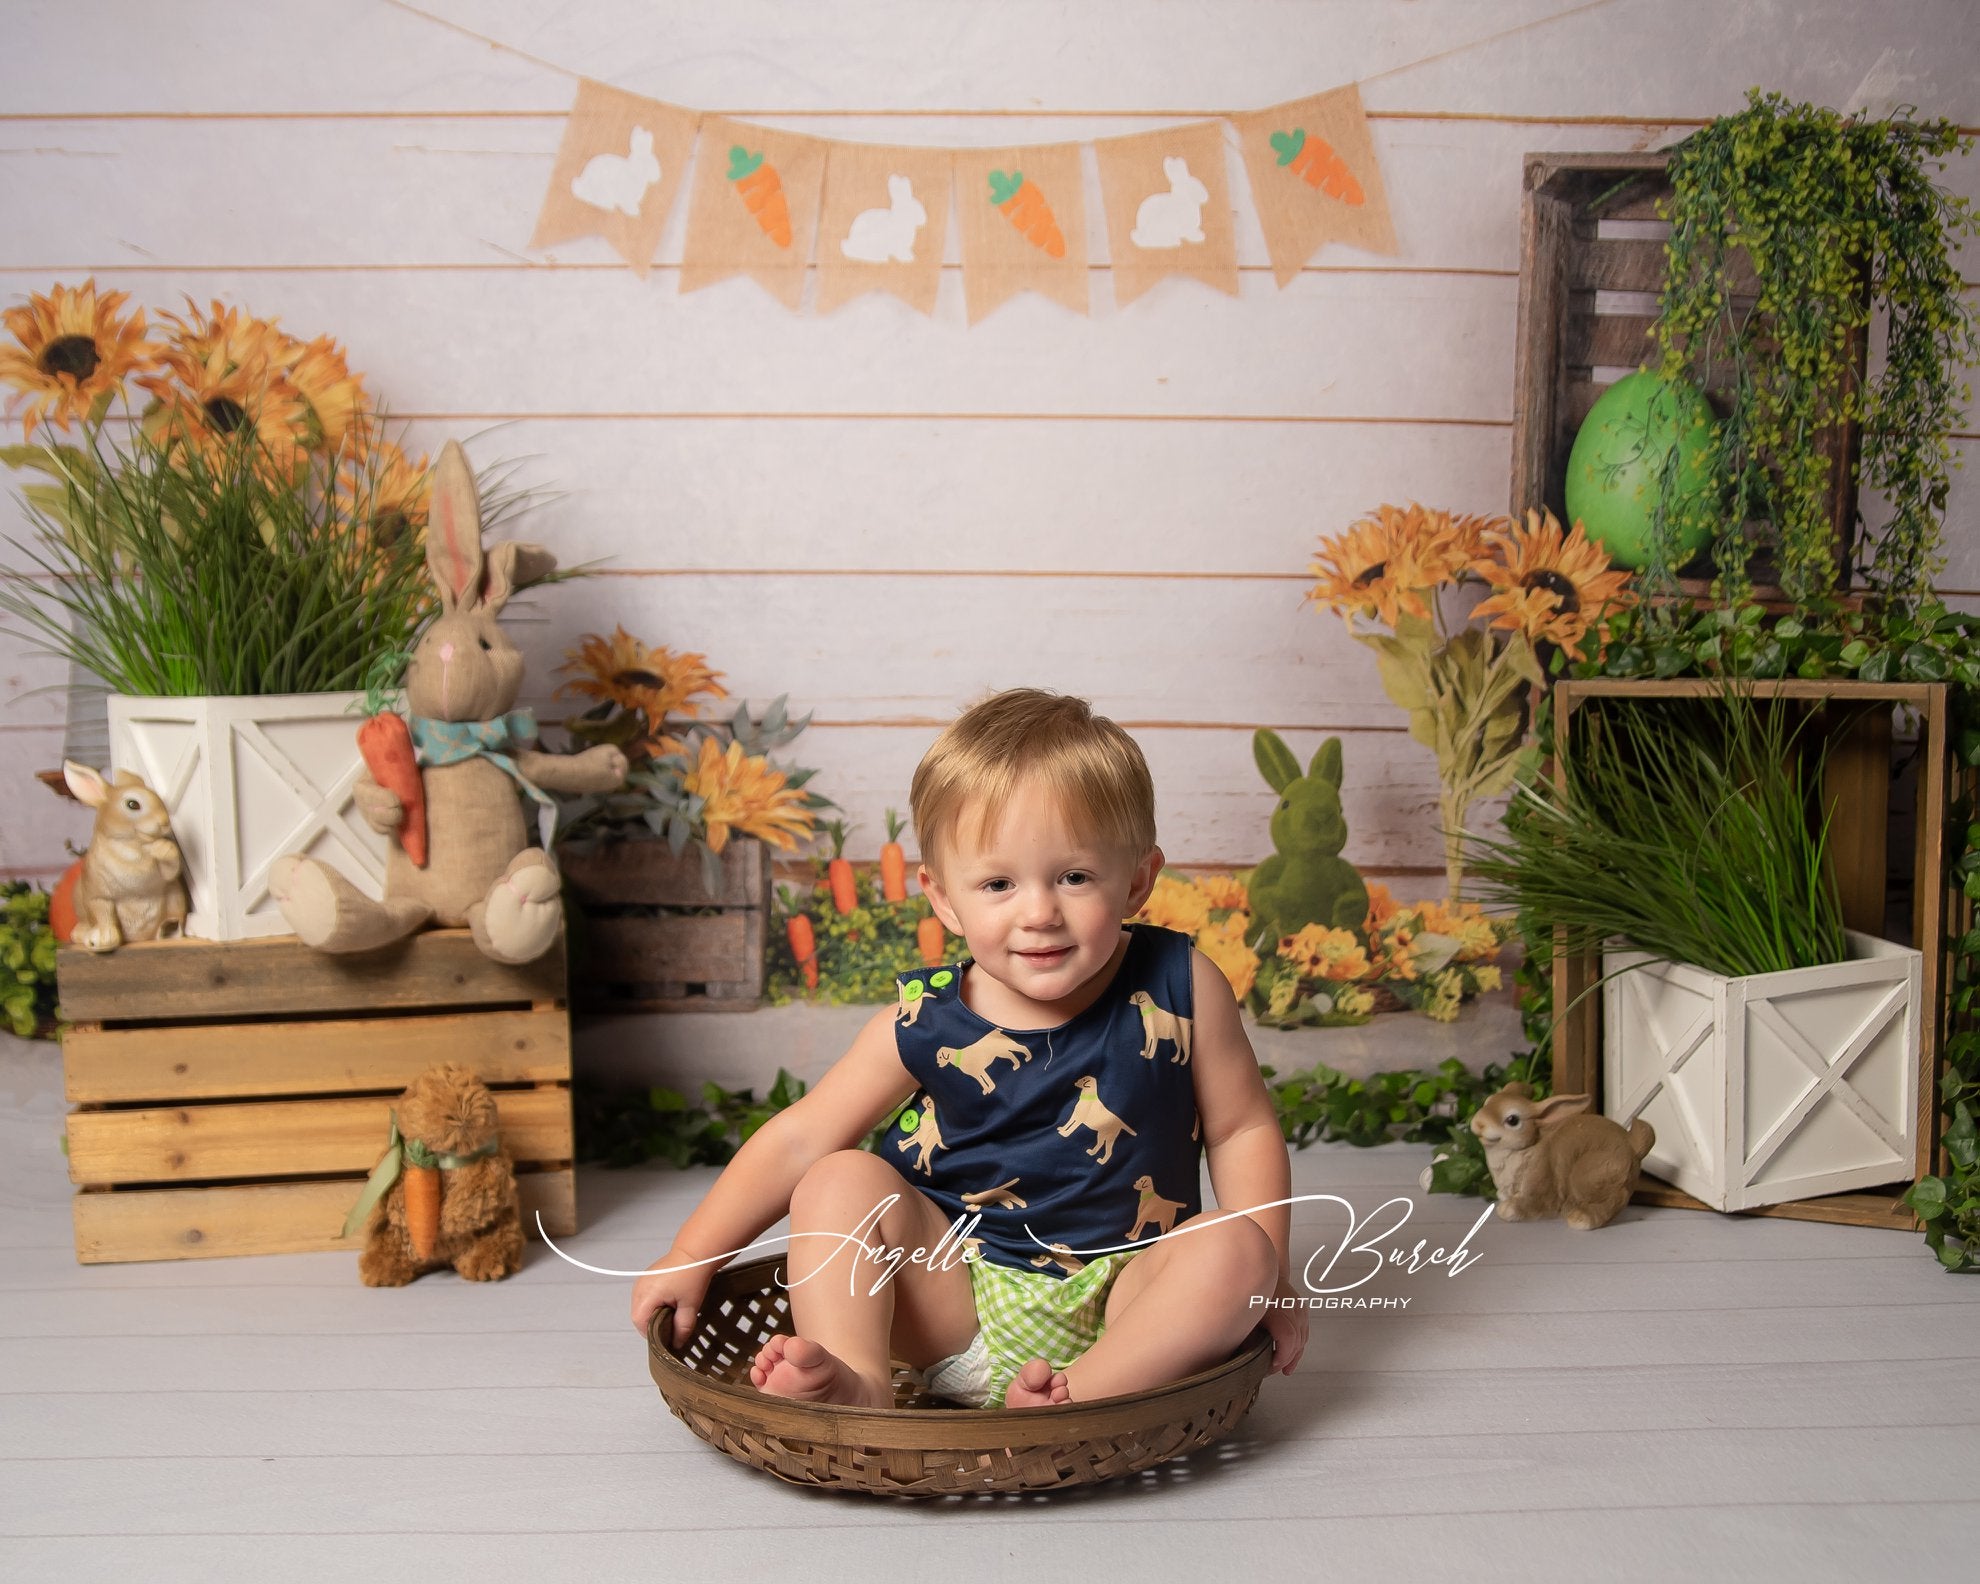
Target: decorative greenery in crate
x: 1843, y: 223
x: 27, y: 961
x: 692, y: 780
x: 252, y: 529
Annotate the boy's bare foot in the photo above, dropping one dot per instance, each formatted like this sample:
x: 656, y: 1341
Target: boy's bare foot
x: 1038, y: 1385
x: 788, y: 1366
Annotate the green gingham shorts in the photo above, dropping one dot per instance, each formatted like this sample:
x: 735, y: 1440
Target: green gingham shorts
x: 1025, y: 1315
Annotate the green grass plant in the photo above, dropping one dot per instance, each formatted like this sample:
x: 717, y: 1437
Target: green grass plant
x: 1686, y: 827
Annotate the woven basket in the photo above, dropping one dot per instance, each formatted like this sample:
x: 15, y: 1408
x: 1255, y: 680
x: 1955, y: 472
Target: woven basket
x: 924, y: 1446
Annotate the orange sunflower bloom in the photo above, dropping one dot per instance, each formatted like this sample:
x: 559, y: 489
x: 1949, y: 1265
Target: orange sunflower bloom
x: 334, y: 395
x: 1386, y: 564
x: 652, y: 683
x: 221, y: 373
x: 75, y: 351
x: 740, y: 792
x: 384, y: 494
x: 1548, y: 585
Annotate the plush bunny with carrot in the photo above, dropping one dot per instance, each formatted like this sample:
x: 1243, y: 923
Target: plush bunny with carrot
x: 467, y: 760
x: 444, y: 1193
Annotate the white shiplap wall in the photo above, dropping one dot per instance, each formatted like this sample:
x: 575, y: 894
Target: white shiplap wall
x: 881, y: 514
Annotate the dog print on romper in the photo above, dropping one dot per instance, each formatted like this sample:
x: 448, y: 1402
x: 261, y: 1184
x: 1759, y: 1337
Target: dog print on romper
x: 1063, y: 1142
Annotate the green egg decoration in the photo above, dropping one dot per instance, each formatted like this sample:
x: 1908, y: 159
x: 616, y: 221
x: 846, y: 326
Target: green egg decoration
x: 1613, y: 470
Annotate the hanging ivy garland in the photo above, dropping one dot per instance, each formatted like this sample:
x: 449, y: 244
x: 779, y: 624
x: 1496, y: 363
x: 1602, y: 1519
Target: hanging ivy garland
x: 1840, y: 220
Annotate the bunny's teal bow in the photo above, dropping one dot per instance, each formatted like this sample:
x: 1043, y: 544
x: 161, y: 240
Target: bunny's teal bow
x: 444, y: 742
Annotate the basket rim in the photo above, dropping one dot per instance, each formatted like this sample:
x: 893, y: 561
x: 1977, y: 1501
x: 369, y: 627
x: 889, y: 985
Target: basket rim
x: 959, y: 1427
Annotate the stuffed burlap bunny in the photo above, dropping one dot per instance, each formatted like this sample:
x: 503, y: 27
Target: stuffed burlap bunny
x: 476, y: 753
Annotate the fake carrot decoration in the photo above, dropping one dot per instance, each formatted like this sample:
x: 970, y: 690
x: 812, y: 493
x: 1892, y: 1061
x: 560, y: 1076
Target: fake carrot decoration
x: 893, y: 862
x: 839, y: 872
x: 1025, y: 207
x: 62, y: 903
x: 422, y: 1204
x: 804, y: 947
x: 1314, y: 161
x: 762, y: 189
x: 932, y: 940
x: 386, y: 745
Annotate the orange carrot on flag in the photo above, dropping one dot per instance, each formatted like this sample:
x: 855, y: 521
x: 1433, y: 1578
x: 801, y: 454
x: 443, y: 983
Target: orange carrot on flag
x: 762, y: 190
x: 1025, y: 207
x: 1315, y: 162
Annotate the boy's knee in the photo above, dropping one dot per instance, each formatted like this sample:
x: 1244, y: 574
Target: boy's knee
x: 842, y: 1174
x: 1246, y: 1259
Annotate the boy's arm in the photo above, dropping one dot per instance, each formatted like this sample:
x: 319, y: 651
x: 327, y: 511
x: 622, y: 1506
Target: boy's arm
x: 754, y: 1190
x: 1241, y: 1133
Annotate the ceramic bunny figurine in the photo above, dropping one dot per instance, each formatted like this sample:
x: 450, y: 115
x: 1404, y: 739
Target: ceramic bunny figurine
x: 1554, y: 1157
x: 131, y: 887
x: 475, y: 752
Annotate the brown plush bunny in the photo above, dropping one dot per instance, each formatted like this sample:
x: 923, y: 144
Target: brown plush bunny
x: 1553, y: 1157
x: 476, y: 753
x: 448, y: 1122
x: 132, y: 886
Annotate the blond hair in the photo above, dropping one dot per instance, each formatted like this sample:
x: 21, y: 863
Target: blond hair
x: 1093, y: 767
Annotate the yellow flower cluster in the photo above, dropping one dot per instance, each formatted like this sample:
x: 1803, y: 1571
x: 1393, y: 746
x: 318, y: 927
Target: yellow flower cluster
x: 1224, y: 945
x: 1323, y: 953
x: 741, y: 792
x: 1186, y: 905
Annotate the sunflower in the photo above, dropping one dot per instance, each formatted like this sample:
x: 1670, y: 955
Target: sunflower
x: 1476, y: 935
x: 75, y: 351
x: 384, y: 493
x: 1224, y: 945
x: 334, y: 395
x: 651, y: 683
x: 1385, y: 564
x: 222, y: 373
x: 1547, y: 585
x: 1323, y: 953
x: 741, y: 792
x: 1223, y: 891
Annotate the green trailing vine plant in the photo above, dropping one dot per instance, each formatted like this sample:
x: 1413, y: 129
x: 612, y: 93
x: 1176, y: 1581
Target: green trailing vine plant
x: 1841, y: 221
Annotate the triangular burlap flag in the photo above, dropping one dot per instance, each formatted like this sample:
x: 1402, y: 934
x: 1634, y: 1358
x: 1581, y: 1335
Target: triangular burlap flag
x: 1023, y: 223
x: 881, y: 227
x: 1315, y: 179
x: 754, y: 207
x: 621, y: 163
x: 1168, y: 208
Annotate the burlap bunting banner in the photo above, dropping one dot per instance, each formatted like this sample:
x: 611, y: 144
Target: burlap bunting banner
x: 879, y: 215
x: 621, y: 162
x: 1023, y: 223
x: 1168, y: 206
x: 882, y: 225
x: 1314, y: 178
x: 753, y: 207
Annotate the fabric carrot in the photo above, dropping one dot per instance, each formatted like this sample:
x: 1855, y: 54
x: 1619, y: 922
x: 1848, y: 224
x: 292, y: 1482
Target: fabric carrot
x: 932, y: 940
x: 762, y: 189
x: 1316, y: 163
x: 1025, y: 207
x: 422, y: 1202
x: 386, y: 745
x: 804, y: 947
x: 893, y: 862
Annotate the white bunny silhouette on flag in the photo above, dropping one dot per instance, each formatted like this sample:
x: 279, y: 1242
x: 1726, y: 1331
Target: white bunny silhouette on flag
x: 619, y: 181
x: 878, y: 235
x: 1169, y: 219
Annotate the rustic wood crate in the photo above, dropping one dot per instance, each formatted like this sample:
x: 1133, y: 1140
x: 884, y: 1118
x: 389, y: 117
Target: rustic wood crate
x: 646, y: 936
x: 231, y: 1098
x: 1591, y: 269
x: 1856, y: 789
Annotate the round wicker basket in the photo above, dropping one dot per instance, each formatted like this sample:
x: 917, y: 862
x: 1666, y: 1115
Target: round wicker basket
x: 924, y: 1446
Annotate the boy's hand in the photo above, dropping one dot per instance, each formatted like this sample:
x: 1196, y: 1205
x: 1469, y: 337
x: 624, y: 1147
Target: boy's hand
x: 678, y: 1281
x: 1288, y: 1330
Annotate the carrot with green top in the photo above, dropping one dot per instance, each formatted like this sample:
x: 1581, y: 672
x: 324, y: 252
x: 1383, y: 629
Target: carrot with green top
x: 762, y: 189
x: 1025, y: 207
x: 804, y: 947
x: 893, y: 862
x: 1315, y: 162
x: 839, y: 872
x: 385, y: 744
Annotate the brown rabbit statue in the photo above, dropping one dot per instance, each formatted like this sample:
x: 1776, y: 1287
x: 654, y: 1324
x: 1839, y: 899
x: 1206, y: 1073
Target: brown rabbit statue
x: 444, y: 1193
x: 132, y: 886
x: 1554, y: 1157
x: 476, y: 752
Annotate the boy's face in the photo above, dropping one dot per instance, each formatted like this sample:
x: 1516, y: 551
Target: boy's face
x: 1040, y: 904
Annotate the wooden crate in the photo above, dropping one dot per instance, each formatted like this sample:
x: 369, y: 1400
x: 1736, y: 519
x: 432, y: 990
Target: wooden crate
x: 1856, y: 789
x: 1591, y: 268
x: 231, y: 1097
x: 645, y: 936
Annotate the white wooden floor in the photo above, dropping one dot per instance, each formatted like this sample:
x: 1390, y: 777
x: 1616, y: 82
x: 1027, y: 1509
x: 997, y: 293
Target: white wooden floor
x: 1677, y: 1395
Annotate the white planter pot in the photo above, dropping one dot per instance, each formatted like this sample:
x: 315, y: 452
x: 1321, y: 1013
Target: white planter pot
x: 247, y: 780
x: 1772, y: 1086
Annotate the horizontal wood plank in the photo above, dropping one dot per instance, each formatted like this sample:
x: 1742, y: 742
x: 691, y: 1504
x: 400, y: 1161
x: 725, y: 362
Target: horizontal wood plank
x: 201, y: 1061
x: 265, y: 1218
x: 184, y: 980
x: 648, y: 873
x: 282, y: 1137
x: 668, y: 949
